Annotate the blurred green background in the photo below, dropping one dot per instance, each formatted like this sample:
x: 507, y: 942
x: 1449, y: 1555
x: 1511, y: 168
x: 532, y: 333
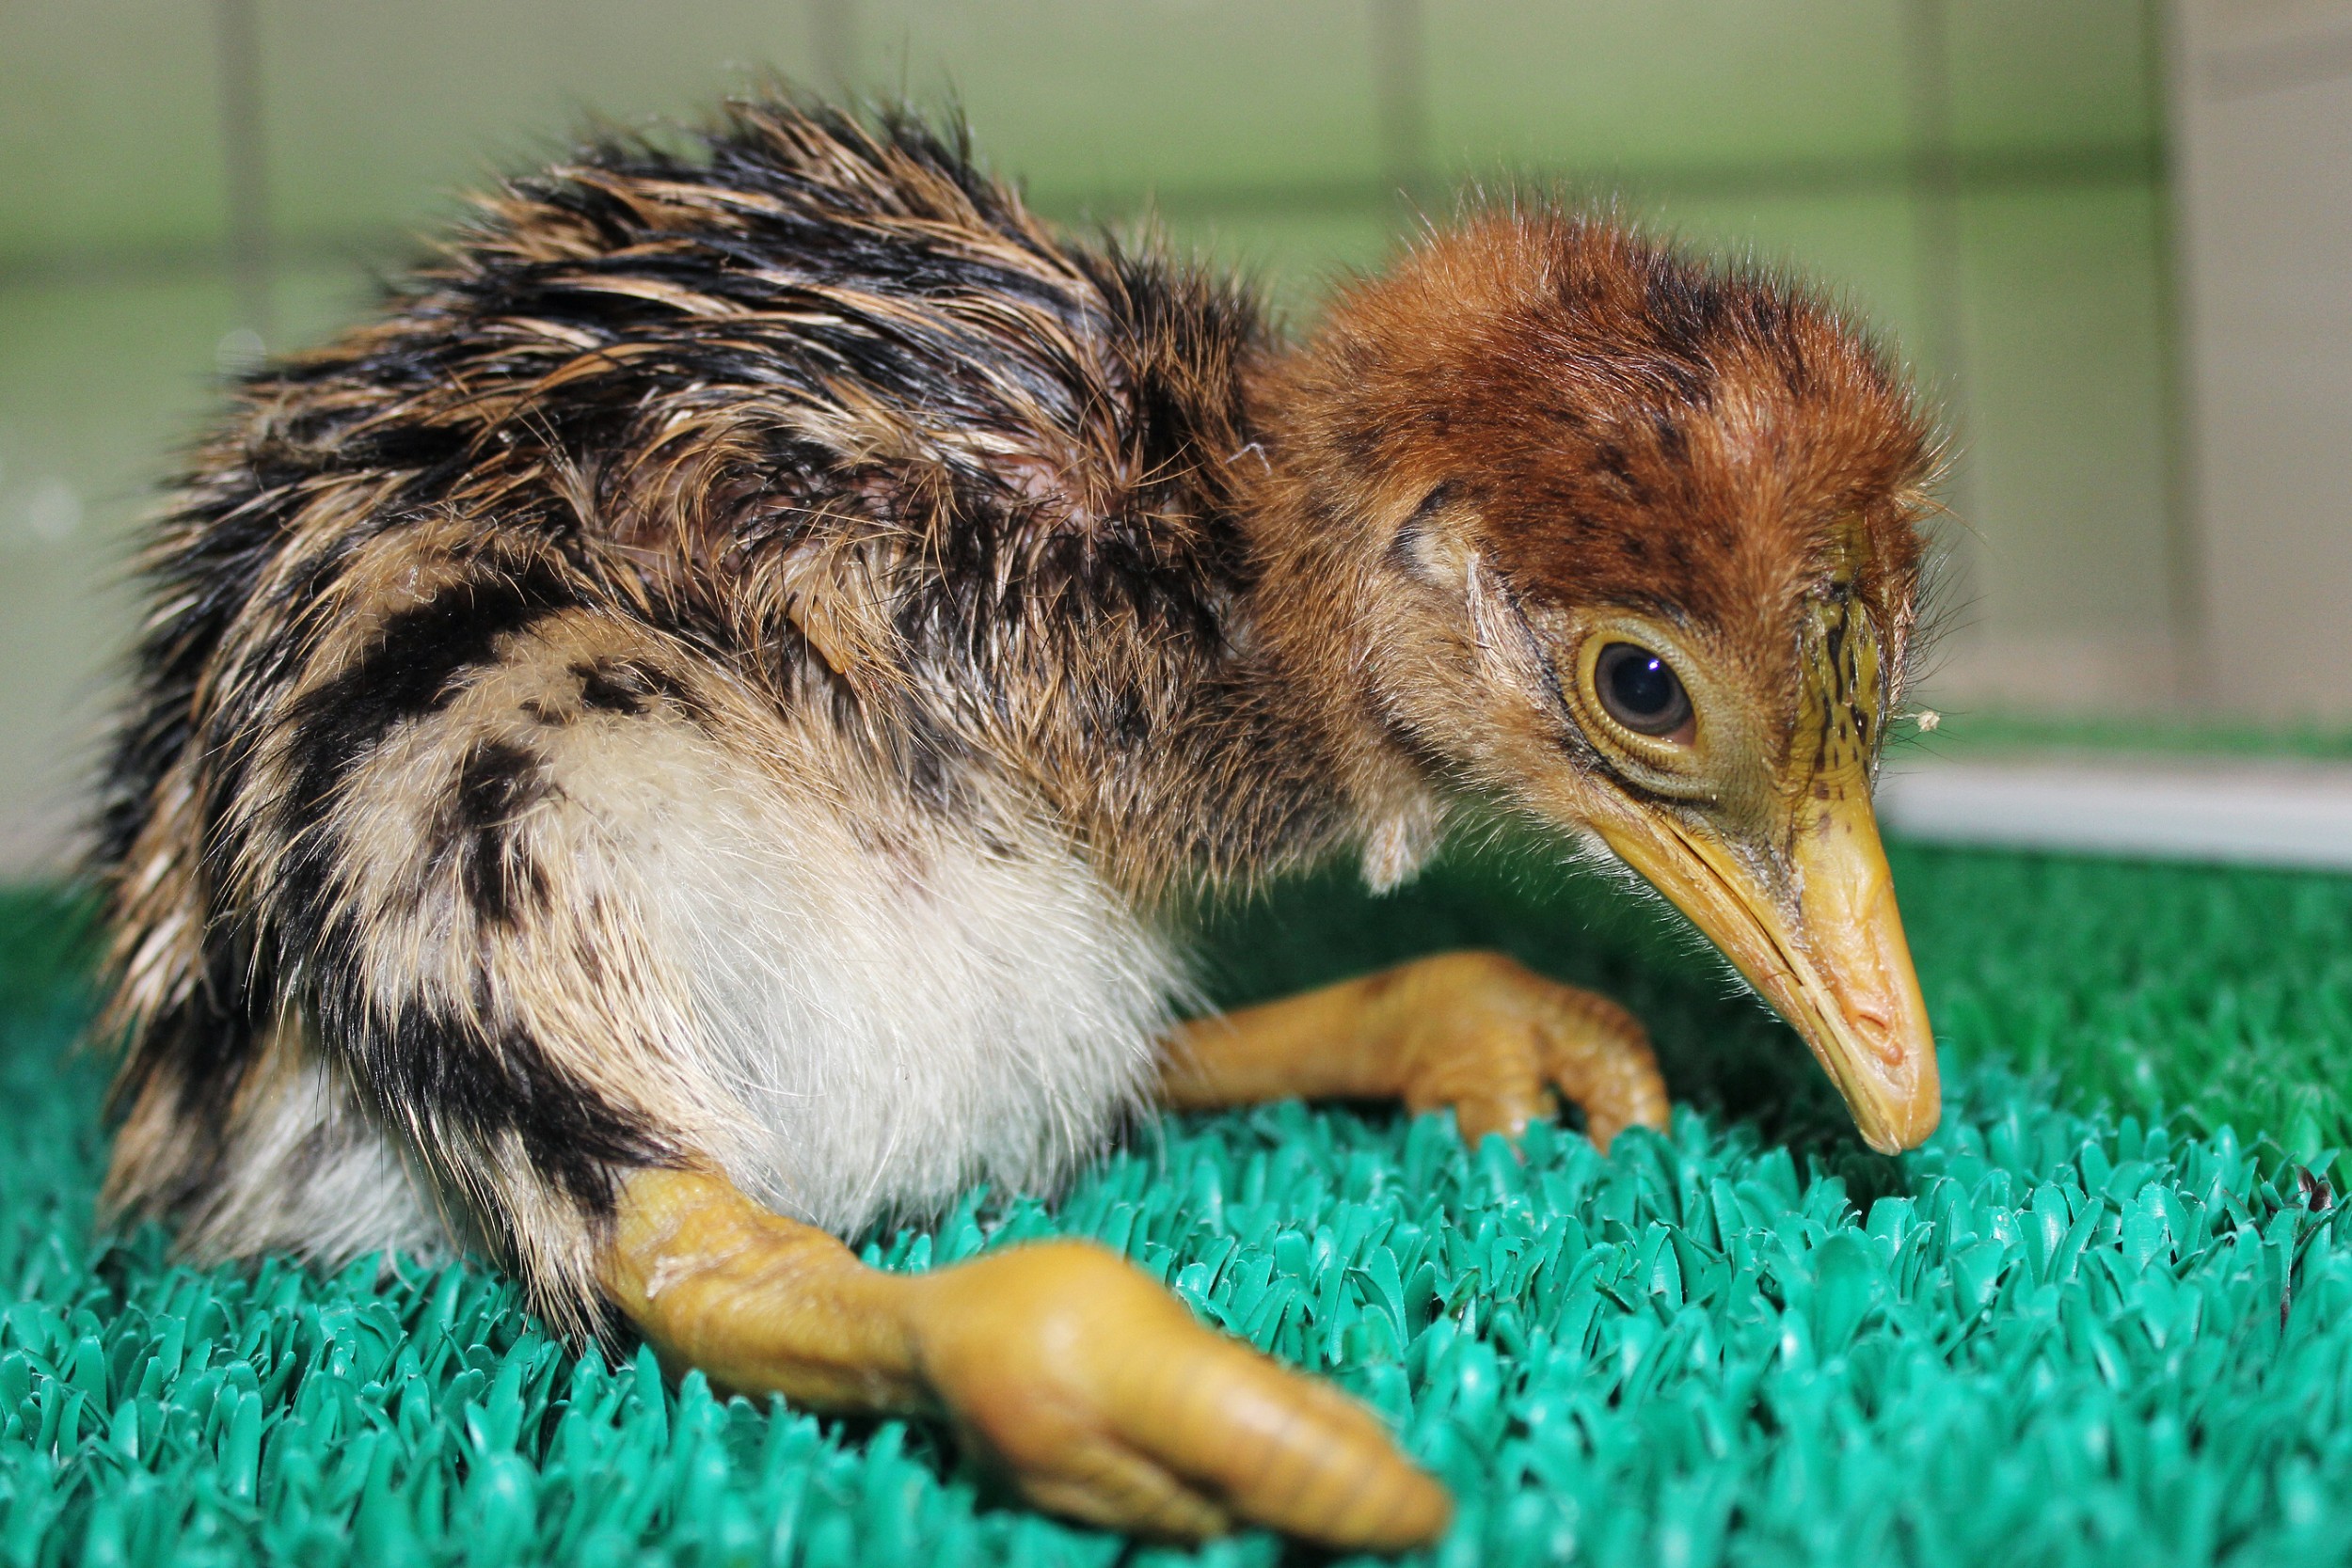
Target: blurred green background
x: 185, y: 182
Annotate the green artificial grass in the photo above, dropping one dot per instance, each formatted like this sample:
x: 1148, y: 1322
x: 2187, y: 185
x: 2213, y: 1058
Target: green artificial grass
x: 2088, y: 1324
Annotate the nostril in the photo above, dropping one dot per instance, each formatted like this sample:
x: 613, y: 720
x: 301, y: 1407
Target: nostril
x: 1880, y: 1035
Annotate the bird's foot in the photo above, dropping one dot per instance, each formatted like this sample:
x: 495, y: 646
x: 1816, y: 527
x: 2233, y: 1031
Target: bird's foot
x: 1102, y: 1398
x: 1501, y: 1045
x: 1092, y: 1387
x: 1477, y: 1032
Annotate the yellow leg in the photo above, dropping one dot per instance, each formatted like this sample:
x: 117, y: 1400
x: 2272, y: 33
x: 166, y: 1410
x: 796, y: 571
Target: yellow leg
x: 1475, y: 1031
x: 1093, y: 1387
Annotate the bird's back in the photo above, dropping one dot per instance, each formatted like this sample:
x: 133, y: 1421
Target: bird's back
x: 714, y: 378
x: 811, y: 440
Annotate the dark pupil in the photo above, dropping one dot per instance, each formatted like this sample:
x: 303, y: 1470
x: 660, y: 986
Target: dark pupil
x: 1640, y: 689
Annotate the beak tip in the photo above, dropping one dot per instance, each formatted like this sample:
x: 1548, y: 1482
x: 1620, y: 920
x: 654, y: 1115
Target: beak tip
x: 1891, y: 1141
x: 1901, y: 1109
x: 1911, y: 1120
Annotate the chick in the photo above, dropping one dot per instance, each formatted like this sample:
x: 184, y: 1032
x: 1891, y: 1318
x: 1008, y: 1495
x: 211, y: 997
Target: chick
x: 683, y: 737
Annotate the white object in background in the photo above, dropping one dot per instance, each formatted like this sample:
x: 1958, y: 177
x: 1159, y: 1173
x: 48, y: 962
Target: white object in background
x: 2267, y: 813
x: 2261, y: 153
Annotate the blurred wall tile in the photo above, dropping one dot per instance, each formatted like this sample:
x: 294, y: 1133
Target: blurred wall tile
x: 2065, y: 421
x: 2263, y: 101
x: 1081, y: 100
x: 99, y: 385
x: 1651, y: 85
x: 109, y: 128
x: 2044, y: 75
x: 380, y: 111
x: 317, y: 300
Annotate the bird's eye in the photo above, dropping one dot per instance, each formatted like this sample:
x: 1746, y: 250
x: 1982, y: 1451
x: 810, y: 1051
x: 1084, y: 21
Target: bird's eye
x: 1641, y: 691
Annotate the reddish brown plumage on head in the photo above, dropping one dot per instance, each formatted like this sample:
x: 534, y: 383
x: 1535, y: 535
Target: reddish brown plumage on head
x: 1541, y: 439
x: 1617, y: 424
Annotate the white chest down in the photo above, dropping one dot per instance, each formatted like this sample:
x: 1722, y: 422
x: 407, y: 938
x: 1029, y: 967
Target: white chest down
x: 857, y: 1008
x: 894, y: 1027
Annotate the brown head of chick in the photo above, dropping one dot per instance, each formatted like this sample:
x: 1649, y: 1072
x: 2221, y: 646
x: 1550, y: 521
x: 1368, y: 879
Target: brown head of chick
x: 677, y: 739
x: 1564, y: 522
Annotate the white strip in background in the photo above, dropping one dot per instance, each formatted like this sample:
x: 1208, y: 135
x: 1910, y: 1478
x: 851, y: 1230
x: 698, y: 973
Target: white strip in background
x: 2265, y: 813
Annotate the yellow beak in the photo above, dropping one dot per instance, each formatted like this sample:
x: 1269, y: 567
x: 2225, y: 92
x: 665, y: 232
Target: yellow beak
x: 1819, y: 936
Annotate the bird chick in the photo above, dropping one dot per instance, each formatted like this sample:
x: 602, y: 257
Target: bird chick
x: 682, y: 737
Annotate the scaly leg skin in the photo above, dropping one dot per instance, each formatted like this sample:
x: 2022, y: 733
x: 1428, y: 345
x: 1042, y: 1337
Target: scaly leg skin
x: 1474, y: 1031
x: 1093, y: 1387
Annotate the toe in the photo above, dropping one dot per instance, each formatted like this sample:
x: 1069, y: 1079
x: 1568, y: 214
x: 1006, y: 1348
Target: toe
x: 1104, y: 1482
x: 1107, y: 1401
x: 1280, y: 1449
